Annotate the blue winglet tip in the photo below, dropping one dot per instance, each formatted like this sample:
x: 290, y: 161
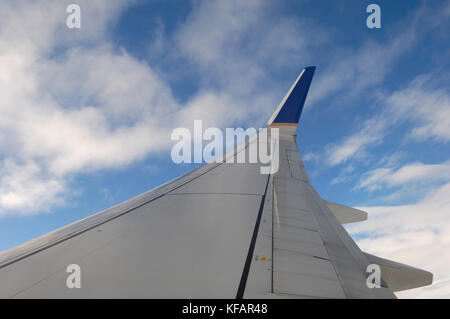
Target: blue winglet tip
x: 290, y: 109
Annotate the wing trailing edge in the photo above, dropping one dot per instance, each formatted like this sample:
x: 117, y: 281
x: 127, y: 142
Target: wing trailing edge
x: 398, y: 276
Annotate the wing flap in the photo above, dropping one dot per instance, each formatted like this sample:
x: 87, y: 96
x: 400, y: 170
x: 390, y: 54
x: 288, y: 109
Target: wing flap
x: 345, y: 214
x: 399, y: 276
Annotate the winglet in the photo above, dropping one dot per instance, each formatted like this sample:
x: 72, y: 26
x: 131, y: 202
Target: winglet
x: 289, y: 111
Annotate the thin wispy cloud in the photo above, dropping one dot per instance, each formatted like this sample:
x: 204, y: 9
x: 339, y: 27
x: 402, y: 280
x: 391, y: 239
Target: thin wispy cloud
x: 424, y: 107
x: 354, y: 146
x: 414, y: 172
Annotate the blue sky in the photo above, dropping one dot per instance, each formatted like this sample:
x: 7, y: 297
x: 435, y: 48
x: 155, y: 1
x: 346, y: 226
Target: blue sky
x: 86, y: 115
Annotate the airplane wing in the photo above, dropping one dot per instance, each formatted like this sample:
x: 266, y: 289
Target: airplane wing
x: 222, y: 231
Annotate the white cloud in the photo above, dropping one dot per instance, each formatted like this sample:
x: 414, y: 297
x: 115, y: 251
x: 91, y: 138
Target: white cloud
x: 355, y: 145
x: 344, y: 175
x: 24, y: 187
x: 235, y: 45
x: 416, y: 234
x: 236, y: 36
x: 311, y: 157
x: 425, y: 106
x: 414, y: 172
x: 71, y: 102
x: 43, y: 138
x: 353, y: 71
x: 424, y: 103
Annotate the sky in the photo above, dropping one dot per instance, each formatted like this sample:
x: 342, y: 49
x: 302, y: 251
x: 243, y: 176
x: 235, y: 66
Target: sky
x: 86, y: 114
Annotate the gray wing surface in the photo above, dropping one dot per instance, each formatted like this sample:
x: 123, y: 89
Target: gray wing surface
x: 222, y: 231
x: 310, y: 253
x: 188, y: 239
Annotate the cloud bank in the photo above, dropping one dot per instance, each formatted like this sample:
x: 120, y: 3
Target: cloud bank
x: 71, y: 101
